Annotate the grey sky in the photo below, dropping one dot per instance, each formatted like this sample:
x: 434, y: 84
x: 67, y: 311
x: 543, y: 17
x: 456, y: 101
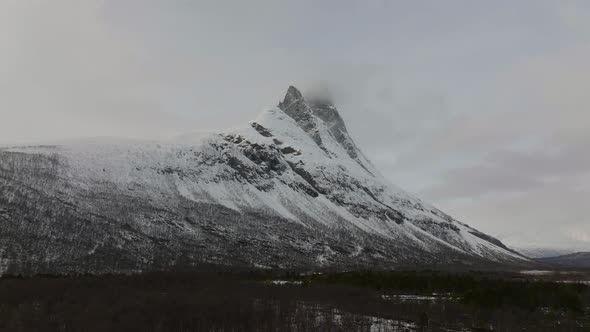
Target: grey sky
x: 479, y: 107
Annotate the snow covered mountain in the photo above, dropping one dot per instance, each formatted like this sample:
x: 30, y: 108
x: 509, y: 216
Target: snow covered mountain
x: 290, y: 190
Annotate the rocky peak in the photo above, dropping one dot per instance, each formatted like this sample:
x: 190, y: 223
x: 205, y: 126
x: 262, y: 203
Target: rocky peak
x: 328, y: 113
x: 294, y: 104
x: 308, y: 113
x: 293, y: 95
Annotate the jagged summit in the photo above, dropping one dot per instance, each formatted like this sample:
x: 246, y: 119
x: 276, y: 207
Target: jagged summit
x: 309, y: 114
x: 323, y: 108
x: 292, y: 95
x: 321, y: 98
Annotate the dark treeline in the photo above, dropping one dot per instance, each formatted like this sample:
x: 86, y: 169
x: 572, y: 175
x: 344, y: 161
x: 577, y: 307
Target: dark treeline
x: 490, y: 290
x: 248, y: 301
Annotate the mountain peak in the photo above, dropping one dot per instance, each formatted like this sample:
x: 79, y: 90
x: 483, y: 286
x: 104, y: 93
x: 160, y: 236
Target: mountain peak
x: 316, y: 112
x: 292, y: 95
x: 305, y: 112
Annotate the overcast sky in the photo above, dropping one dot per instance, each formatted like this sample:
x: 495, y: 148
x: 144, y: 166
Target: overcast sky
x: 481, y: 108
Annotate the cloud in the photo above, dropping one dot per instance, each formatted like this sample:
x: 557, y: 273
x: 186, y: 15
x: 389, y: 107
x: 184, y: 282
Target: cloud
x: 521, y: 166
x: 511, y: 171
x: 481, y: 109
x: 554, y: 214
x: 68, y: 74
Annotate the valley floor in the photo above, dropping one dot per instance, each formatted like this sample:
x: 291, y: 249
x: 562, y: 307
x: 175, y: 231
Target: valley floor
x: 288, y: 301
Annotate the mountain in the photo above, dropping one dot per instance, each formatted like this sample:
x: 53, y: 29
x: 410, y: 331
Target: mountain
x: 579, y: 260
x: 544, y: 252
x: 289, y: 190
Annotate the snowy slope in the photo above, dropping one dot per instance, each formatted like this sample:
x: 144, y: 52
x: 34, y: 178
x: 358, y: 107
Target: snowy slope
x: 290, y: 189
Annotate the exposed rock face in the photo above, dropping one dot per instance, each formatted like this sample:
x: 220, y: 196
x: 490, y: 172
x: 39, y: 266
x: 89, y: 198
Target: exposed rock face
x: 306, y: 114
x: 295, y: 106
x: 289, y: 190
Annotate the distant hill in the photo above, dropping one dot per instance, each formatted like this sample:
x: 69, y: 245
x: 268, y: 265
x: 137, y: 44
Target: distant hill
x: 576, y: 260
x: 544, y: 252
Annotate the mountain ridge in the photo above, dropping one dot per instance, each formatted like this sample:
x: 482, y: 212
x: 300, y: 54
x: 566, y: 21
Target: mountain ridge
x: 574, y: 260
